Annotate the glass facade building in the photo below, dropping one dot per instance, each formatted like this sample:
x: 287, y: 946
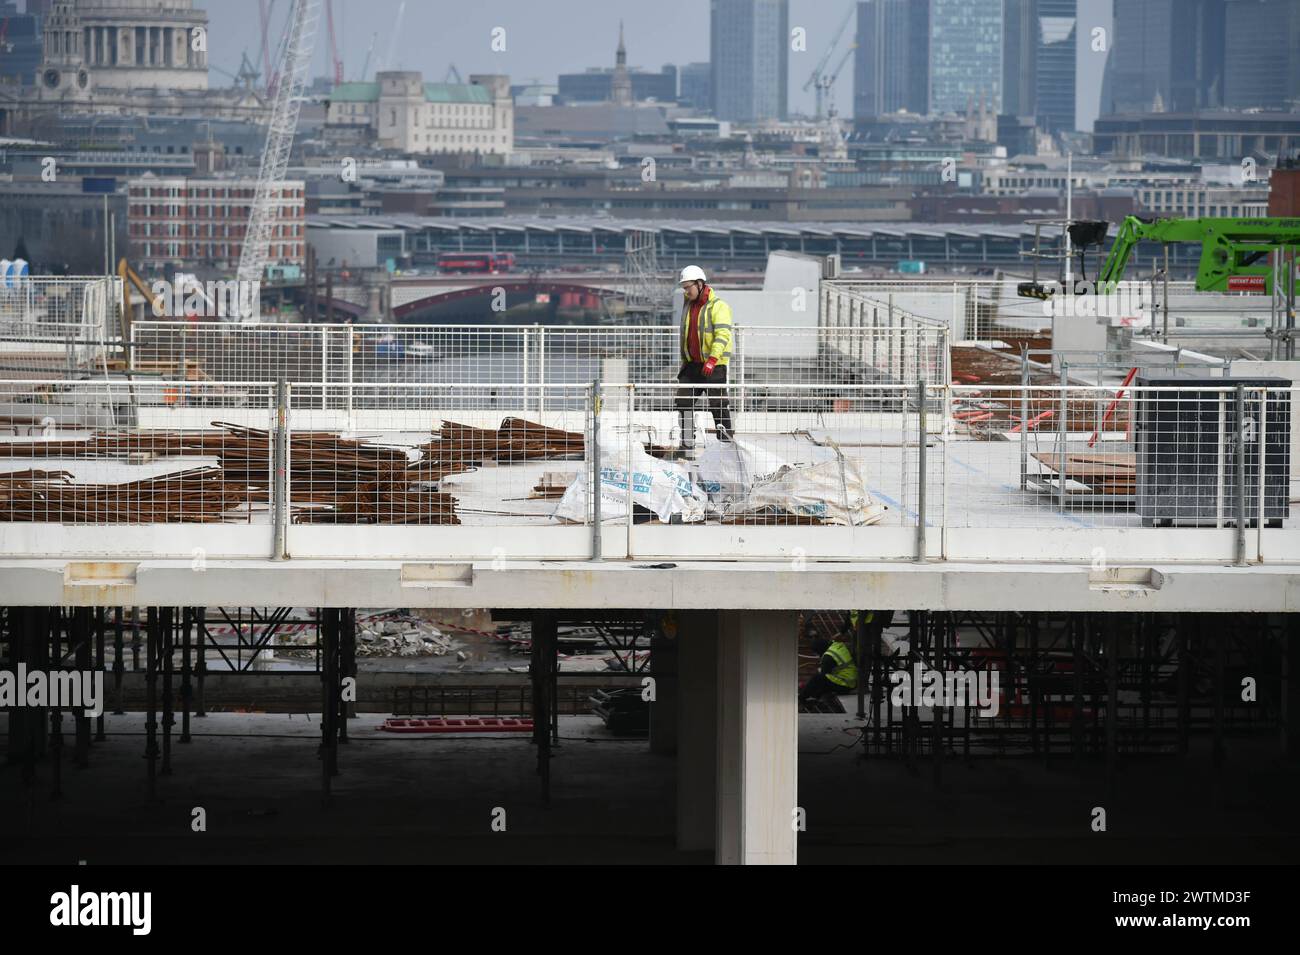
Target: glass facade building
x: 749, y: 50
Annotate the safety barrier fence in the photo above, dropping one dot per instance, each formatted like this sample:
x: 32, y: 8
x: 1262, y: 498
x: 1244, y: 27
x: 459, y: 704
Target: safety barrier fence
x: 1102, y: 475
x: 981, y: 309
x: 56, y: 326
x: 894, y: 350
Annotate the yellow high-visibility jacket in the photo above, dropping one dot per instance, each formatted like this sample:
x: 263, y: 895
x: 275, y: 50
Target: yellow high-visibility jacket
x: 715, y: 329
x: 846, y: 671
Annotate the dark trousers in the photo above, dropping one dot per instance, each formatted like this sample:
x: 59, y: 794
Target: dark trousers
x: 692, y: 373
x: 818, y: 686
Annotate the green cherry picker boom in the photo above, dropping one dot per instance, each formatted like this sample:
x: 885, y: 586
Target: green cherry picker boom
x: 1234, y: 252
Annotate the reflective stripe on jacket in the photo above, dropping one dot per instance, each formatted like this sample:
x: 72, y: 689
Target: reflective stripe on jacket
x: 846, y: 671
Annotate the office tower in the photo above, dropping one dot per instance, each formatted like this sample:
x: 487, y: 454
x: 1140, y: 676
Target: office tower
x: 891, y: 68
x: 749, y: 50
x: 966, y: 42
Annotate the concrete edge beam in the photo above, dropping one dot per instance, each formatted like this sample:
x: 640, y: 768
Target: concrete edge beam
x: 630, y: 585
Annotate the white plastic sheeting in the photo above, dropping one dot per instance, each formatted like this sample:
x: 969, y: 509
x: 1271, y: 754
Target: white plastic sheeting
x: 663, y: 487
x: 742, y: 478
x: 731, y: 479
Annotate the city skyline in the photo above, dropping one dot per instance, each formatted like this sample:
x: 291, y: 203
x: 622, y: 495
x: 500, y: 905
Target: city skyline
x: 545, y: 40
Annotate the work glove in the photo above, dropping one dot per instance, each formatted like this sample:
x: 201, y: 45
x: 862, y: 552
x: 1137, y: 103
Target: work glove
x: 709, y: 366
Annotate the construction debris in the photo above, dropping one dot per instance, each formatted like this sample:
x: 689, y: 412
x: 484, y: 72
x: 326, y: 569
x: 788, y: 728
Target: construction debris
x: 552, y: 485
x: 201, y: 495
x: 378, y: 637
x: 334, y: 480
x: 1099, y: 472
x: 516, y: 440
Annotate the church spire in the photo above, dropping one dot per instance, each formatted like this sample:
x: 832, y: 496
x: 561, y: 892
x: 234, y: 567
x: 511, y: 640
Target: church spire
x: 620, y: 90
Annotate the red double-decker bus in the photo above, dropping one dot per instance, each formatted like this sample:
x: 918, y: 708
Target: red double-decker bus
x: 483, y: 263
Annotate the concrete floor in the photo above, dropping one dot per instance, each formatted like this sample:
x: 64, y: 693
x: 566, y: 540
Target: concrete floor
x: 409, y: 800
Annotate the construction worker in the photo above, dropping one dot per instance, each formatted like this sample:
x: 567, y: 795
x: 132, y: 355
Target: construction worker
x: 851, y: 622
x: 836, y: 672
x: 706, y: 348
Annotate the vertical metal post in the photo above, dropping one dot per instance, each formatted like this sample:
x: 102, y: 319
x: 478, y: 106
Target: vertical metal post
x: 1275, y: 307
x: 1165, y: 304
x: 329, y: 631
x: 1261, y: 437
x: 119, y: 664
x: 945, y: 360
x: 347, y: 667
x: 860, y: 659
x: 938, y: 634
x: 1241, y: 484
x: 889, y: 338
x: 877, y: 679
x: 920, y: 466
x: 1024, y: 417
x: 526, y: 335
x: 541, y: 373
x: 543, y: 661
x: 1289, y: 350
x: 201, y: 664
x: 52, y: 637
x: 187, y: 687
x: 631, y: 470
x: 349, y: 364
x: 168, y: 630
x: 151, y: 700
x: 595, y: 470
x: 100, y: 667
x: 324, y: 364
x: 1062, y: 434
x: 80, y: 621
x: 280, y: 455
x: 739, y: 348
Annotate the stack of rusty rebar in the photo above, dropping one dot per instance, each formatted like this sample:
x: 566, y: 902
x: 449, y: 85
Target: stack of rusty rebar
x: 332, y: 479
x: 339, y: 481
x: 516, y: 440
x: 199, y: 495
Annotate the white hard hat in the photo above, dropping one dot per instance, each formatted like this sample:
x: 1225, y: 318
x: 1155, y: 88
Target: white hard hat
x: 692, y: 273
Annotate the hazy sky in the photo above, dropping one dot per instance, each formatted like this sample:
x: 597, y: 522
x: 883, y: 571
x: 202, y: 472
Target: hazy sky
x: 546, y: 37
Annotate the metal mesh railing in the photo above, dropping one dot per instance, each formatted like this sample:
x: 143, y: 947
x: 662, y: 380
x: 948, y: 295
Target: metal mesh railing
x: 939, y: 465
x: 900, y: 351
x: 1077, y: 457
x: 426, y: 454
x: 57, y: 326
x: 993, y: 309
x: 97, y: 452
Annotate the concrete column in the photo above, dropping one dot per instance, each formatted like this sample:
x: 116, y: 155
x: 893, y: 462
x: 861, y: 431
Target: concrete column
x: 697, y: 717
x: 758, y: 737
